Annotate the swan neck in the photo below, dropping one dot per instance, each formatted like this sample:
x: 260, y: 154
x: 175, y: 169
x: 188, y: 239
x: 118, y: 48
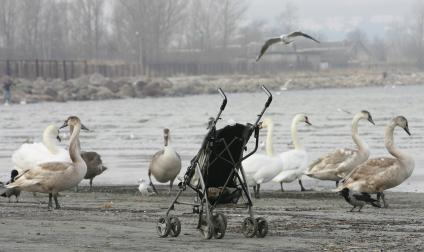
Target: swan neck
x: 166, y: 141
x: 49, y: 142
x: 268, y: 142
x: 74, y: 145
x: 294, y: 136
x: 362, y: 146
x: 390, y: 143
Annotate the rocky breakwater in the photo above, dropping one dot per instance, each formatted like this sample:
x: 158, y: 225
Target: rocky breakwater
x: 97, y: 87
x: 93, y: 87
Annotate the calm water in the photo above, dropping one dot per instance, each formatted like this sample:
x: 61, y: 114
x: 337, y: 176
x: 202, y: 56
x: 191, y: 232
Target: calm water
x: 127, y: 132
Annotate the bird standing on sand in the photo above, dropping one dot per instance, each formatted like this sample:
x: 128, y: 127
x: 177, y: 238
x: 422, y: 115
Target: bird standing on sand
x: 165, y: 164
x: 94, y: 164
x: 338, y: 164
x: 379, y: 174
x: 12, y: 191
x: 285, y: 39
x: 143, y: 188
x: 54, y: 177
x: 358, y: 199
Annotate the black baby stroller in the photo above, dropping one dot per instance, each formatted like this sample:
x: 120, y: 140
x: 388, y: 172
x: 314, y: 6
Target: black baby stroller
x: 218, y: 178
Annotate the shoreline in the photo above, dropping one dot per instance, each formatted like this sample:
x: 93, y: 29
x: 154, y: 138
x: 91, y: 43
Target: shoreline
x: 118, y: 218
x: 98, y: 87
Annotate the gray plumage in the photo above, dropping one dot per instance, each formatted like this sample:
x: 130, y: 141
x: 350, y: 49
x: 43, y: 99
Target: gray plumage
x: 94, y: 165
x: 9, y: 192
x: 358, y: 199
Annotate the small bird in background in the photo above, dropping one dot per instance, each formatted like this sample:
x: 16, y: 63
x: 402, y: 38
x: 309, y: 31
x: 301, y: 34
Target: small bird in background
x: 358, y: 199
x: 12, y: 191
x: 144, y: 189
x: 285, y: 39
x: 107, y: 205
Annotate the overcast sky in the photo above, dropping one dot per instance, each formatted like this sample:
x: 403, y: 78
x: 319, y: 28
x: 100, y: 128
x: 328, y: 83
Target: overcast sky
x: 335, y: 18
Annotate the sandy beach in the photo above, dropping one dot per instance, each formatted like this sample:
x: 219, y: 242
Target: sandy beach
x: 117, y: 218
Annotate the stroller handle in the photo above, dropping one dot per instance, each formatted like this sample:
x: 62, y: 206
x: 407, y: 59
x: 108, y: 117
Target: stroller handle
x: 224, y: 102
x: 268, y: 102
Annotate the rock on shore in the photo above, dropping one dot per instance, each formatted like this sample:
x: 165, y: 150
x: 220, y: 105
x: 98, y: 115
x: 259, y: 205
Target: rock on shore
x: 98, y: 87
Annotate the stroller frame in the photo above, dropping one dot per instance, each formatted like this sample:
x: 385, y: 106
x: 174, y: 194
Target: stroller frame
x: 210, y: 223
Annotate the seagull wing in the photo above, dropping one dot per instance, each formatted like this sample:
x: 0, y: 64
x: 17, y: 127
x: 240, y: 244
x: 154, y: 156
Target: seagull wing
x: 298, y: 33
x: 267, y: 44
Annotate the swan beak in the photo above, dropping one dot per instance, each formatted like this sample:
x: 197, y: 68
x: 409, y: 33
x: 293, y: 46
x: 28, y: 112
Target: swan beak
x: 371, y: 120
x: 407, y: 130
x: 83, y: 127
x: 65, y: 124
x: 308, y: 123
x: 58, y: 138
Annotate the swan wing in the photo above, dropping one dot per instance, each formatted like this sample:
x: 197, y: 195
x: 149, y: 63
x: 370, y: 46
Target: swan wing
x: 332, y: 161
x: 269, y: 170
x: 28, y: 156
x: 294, y: 160
x: 374, y: 175
x: 41, y: 174
x: 253, y: 163
x: 94, y: 163
x: 295, y: 163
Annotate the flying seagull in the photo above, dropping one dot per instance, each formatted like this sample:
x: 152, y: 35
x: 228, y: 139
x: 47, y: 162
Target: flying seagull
x: 285, y: 39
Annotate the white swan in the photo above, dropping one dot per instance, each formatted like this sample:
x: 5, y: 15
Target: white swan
x: 338, y: 164
x: 54, y: 177
x: 379, y: 174
x: 295, y: 161
x: 28, y: 156
x: 165, y: 164
x: 260, y: 168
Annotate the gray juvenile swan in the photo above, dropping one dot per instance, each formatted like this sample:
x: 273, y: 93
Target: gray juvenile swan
x: 338, y: 164
x: 379, y: 174
x: 94, y: 163
x: 165, y: 164
x: 54, y: 177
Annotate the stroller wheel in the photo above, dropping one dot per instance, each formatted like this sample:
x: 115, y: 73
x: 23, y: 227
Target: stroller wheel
x: 220, y: 225
x: 205, y: 227
x: 262, y: 227
x: 163, y: 227
x: 206, y: 231
x: 249, y: 227
x: 175, y: 228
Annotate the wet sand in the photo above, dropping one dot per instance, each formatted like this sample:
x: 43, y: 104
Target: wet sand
x: 117, y: 218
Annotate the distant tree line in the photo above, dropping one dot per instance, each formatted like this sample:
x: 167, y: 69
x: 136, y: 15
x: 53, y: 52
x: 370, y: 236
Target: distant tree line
x: 147, y: 30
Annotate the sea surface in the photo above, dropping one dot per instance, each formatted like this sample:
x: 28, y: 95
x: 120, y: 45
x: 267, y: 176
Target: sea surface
x: 128, y: 132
